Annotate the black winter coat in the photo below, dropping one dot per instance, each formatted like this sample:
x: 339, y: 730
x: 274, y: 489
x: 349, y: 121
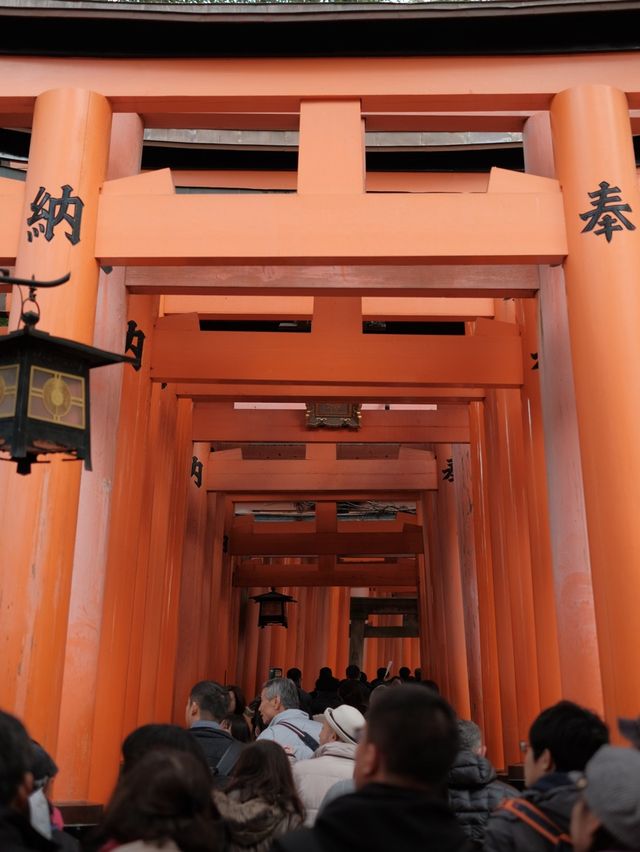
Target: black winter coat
x: 554, y: 795
x: 18, y: 835
x: 474, y: 792
x: 214, y: 742
x: 380, y: 818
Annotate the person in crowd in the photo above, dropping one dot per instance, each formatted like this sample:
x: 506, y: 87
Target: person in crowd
x: 286, y: 723
x: 379, y: 678
x: 162, y: 803
x: 474, y: 790
x: 352, y: 691
x: 260, y: 802
x: 332, y: 762
x: 562, y: 739
x: 405, y: 674
x: 432, y: 685
x: 402, y: 761
x: 326, y: 692
x: 237, y: 726
x: 606, y: 815
x: 159, y: 737
x: 304, y: 699
x: 254, y: 719
x: 417, y: 675
x: 237, y: 701
x: 355, y: 694
x: 16, y: 785
x: 365, y: 680
x: 630, y: 730
x: 44, y: 816
x: 207, y: 706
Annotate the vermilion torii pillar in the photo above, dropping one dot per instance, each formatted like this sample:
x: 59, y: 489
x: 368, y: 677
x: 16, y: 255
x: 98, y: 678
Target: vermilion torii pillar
x: 596, y: 167
x: 69, y: 147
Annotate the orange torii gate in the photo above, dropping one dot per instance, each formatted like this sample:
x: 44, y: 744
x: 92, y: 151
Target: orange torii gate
x: 92, y: 563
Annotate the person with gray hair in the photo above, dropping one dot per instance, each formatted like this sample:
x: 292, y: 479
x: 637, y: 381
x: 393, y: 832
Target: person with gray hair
x: 286, y: 723
x: 474, y: 790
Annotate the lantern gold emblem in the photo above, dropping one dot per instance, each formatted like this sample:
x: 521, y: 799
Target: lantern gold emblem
x: 57, y: 397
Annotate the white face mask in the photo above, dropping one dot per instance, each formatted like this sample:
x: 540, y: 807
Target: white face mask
x: 39, y: 815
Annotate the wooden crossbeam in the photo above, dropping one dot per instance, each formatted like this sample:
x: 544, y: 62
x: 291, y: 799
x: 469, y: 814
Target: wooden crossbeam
x: 406, y: 84
x: 193, y: 356
x: 363, y: 607
x: 504, y: 281
x: 221, y: 422
x: 332, y: 543
x: 376, y: 575
x: 254, y: 392
x: 229, y: 473
x: 331, y: 229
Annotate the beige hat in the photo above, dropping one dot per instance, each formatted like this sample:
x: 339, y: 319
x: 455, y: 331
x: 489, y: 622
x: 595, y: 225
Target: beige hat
x: 346, y: 721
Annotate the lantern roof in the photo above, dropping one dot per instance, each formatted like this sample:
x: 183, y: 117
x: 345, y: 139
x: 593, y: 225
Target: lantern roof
x: 273, y: 596
x: 90, y: 356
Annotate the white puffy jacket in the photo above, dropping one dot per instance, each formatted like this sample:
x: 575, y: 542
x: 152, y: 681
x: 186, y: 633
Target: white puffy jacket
x: 331, y: 762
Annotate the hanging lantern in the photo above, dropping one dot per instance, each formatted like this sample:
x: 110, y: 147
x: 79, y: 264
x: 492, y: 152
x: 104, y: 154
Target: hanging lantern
x: 272, y: 607
x: 44, y: 388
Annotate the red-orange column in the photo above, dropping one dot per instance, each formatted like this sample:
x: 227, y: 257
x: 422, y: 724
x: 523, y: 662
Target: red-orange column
x: 469, y: 585
x: 95, y: 504
x: 452, y: 587
x: 546, y: 632
x: 493, y: 733
x: 39, y: 512
x: 594, y: 153
x: 192, y: 625
x: 512, y: 568
x: 576, y: 620
x: 125, y: 578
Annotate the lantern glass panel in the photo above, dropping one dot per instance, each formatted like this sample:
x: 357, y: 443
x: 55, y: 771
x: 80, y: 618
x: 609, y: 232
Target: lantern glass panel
x: 57, y: 397
x: 8, y: 389
x: 271, y: 608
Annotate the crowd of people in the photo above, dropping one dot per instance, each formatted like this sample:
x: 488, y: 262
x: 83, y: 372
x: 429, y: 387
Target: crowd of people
x: 351, y: 766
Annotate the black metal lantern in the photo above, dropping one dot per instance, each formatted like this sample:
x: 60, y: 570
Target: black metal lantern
x: 44, y: 389
x: 272, y: 607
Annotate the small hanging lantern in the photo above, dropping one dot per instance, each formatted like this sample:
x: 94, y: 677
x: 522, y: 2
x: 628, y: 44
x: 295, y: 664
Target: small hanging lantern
x: 44, y: 388
x: 272, y: 607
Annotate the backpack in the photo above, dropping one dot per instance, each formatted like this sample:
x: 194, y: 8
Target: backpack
x: 307, y: 739
x: 539, y: 822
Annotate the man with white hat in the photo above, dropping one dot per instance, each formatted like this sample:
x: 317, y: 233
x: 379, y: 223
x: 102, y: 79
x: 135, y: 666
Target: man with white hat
x: 333, y: 761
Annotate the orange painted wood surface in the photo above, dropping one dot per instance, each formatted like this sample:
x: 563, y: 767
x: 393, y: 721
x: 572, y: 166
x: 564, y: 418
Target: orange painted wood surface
x: 317, y: 229
x: 39, y: 512
x: 603, y: 334
x: 331, y: 150
x: 341, y: 575
x: 294, y: 280
x: 387, y: 308
x: 183, y: 356
x: 396, y: 84
x: 221, y: 422
x: 91, y: 553
x: 270, y: 476
x: 487, y: 616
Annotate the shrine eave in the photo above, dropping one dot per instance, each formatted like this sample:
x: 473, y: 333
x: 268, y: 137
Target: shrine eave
x: 532, y: 27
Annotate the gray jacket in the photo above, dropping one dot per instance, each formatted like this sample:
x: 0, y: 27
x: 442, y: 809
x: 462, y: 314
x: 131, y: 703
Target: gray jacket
x: 286, y: 737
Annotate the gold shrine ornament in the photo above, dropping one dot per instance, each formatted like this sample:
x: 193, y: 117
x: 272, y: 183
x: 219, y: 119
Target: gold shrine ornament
x: 56, y: 397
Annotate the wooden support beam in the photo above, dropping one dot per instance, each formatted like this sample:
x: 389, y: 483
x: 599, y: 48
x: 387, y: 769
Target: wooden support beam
x: 371, y: 632
x: 338, y: 543
x: 479, y: 228
x: 382, y: 308
x: 381, y: 575
x: 405, y: 84
x: 193, y: 356
x: 253, y: 392
x: 222, y: 422
x: 228, y: 472
x: 363, y: 607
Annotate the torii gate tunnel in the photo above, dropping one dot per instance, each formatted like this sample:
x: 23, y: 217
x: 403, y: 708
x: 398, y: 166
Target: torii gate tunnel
x: 123, y: 586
